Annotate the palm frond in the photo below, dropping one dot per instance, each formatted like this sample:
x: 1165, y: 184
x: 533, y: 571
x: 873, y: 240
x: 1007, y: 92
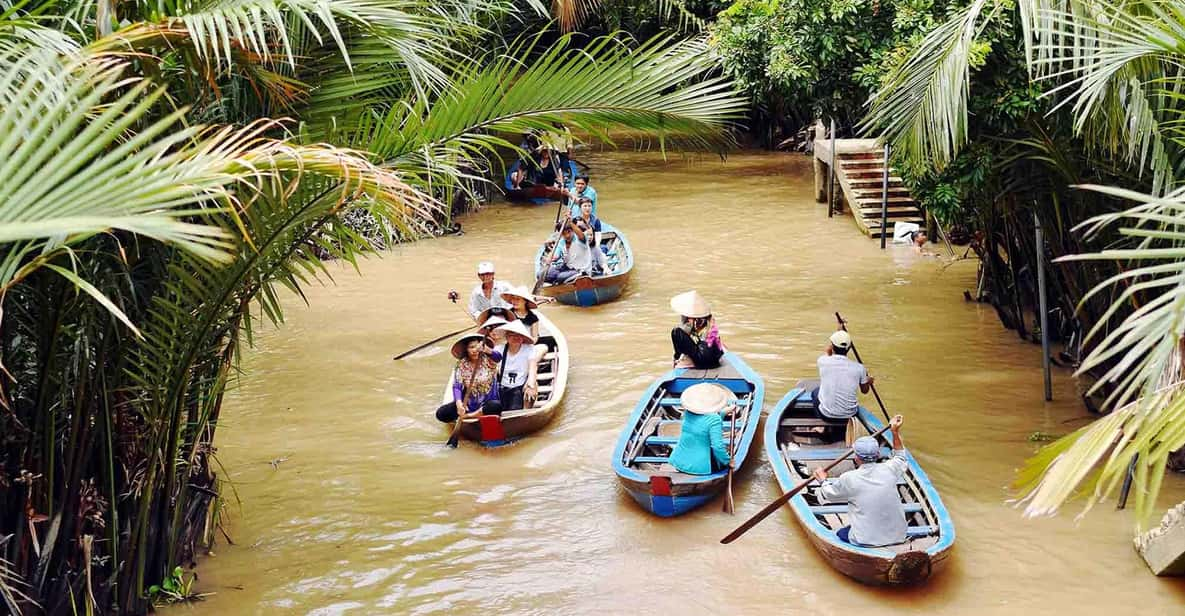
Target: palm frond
x: 1144, y: 356
x: 921, y: 108
x: 1118, y: 68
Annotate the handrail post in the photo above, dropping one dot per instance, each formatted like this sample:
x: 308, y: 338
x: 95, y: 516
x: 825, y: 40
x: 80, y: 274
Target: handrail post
x: 885, y: 197
x: 831, y: 175
x: 1042, y: 306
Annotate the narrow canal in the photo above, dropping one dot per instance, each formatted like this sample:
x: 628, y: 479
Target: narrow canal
x: 350, y: 503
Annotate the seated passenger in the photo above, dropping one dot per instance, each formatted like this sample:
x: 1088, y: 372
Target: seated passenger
x: 701, y: 449
x: 475, y: 381
x: 547, y: 172
x: 590, y: 226
x: 572, y: 258
x: 581, y: 192
x: 875, y: 513
x: 488, y: 323
x: 519, y: 367
x: 696, y: 340
x: 839, y: 378
x: 523, y: 308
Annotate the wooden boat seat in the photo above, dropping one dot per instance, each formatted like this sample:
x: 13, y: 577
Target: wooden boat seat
x: 812, y: 422
x: 823, y: 454
x: 914, y: 532
x: 675, y: 402
x: 843, y: 508
x: 671, y: 441
x: 651, y: 459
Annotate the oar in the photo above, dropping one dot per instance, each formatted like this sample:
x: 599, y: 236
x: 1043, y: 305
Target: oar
x: 435, y: 340
x: 774, y: 506
x: 546, y: 264
x: 732, y: 454
x: 844, y: 326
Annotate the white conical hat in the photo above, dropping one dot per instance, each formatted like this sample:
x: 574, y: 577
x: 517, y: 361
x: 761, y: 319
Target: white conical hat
x: 460, y: 345
x: 517, y: 327
x: 691, y: 304
x: 705, y: 398
x: 522, y: 292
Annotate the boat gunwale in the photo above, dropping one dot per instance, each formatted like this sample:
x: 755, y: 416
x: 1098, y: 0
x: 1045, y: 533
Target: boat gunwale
x: 808, y: 520
x: 743, y: 449
x: 601, y: 281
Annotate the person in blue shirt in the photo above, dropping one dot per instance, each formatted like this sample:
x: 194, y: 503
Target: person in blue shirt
x: 701, y: 449
x: 581, y: 192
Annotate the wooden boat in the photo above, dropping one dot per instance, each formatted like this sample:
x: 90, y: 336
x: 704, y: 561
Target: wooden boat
x: 640, y: 458
x: 797, y: 441
x: 537, y: 194
x: 494, y: 431
x: 592, y: 290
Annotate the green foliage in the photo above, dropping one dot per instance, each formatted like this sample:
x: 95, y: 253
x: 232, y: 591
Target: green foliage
x: 175, y: 588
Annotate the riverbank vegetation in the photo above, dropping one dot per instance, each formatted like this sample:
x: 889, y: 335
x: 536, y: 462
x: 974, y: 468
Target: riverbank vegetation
x: 1003, y: 116
x: 170, y: 168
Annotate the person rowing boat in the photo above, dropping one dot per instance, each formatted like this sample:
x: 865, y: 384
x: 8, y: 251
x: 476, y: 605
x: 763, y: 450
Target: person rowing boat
x: 487, y: 293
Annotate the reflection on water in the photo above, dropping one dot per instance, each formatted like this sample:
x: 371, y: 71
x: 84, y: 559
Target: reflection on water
x: 371, y: 514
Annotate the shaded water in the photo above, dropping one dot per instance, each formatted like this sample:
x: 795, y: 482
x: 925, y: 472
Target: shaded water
x: 365, y: 511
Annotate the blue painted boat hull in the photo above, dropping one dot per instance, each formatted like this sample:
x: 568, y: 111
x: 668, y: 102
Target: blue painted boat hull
x: 638, y: 458
x: 588, y: 291
x: 931, y: 530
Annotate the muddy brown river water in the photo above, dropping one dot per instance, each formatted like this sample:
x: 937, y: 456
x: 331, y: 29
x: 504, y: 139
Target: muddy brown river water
x: 350, y: 504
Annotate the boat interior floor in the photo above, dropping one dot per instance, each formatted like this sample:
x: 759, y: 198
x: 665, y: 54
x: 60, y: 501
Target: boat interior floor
x: 807, y: 441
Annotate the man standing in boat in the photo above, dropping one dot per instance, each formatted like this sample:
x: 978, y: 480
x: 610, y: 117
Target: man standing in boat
x: 876, y: 516
x: 486, y: 294
x: 839, y: 378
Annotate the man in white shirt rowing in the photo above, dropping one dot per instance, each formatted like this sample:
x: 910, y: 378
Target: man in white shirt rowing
x: 487, y: 293
x: 839, y: 378
x: 572, y: 257
x: 876, y: 516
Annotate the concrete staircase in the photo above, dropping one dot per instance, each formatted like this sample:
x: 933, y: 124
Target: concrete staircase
x: 860, y: 166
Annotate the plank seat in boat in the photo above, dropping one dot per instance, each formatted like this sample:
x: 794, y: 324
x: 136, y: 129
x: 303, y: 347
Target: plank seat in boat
x: 797, y: 422
x: 670, y: 441
x: 675, y: 402
x: 651, y: 459
x: 823, y: 454
x: 843, y: 508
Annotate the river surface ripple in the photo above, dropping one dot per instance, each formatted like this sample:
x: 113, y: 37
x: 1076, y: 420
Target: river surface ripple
x: 366, y: 512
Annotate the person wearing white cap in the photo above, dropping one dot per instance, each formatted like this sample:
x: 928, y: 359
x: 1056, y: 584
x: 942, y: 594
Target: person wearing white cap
x: 875, y: 513
x: 696, y: 341
x: 519, y: 367
x: 487, y: 294
x: 839, y: 378
x: 700, y: 449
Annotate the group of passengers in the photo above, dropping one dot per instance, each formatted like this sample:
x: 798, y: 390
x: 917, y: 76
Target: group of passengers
x: 876, y: 515
x: 577, y: 242
x: 497, y: 366
x: 545, y: 160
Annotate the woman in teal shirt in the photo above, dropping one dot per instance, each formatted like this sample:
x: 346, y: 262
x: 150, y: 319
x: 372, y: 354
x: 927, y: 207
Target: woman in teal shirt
x: 702, y: 437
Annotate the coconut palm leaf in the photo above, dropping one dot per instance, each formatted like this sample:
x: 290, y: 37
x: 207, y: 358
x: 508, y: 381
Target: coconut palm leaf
x: 1145, y: 357
x: 921, y: 109
x: 571, y: 14
x: 660, y: 88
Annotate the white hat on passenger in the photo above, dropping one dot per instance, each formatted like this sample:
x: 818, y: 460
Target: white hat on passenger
x: 521, y: 292
x: 517, y: 327
x: 705, y: 398
x: 493, y: 321
x: 485, y: 267
x: 462, y: 344
x: 841, y: 339
x: 691, y: 304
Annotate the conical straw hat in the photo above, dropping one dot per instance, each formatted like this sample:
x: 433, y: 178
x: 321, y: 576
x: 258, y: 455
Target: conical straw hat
x: 462, y: 342
x: 705, y: 398
x: 691, y: 304
x: 521, y: 292
x: 517, y: 327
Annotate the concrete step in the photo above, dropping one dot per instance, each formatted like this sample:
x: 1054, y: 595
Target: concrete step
x: 860, y: 155
x: 863, y: 194
x: 870, y: 201
x: 875, y: 223
x: 894, y: 182
x: 862, y: 163
x: 894, y: 212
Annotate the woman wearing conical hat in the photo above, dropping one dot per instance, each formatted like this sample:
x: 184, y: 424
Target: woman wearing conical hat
x: 701, y: 449
x: 696, y: 340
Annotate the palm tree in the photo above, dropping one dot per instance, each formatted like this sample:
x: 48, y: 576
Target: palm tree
x: 140, y: 233
x: 1115, y: 69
